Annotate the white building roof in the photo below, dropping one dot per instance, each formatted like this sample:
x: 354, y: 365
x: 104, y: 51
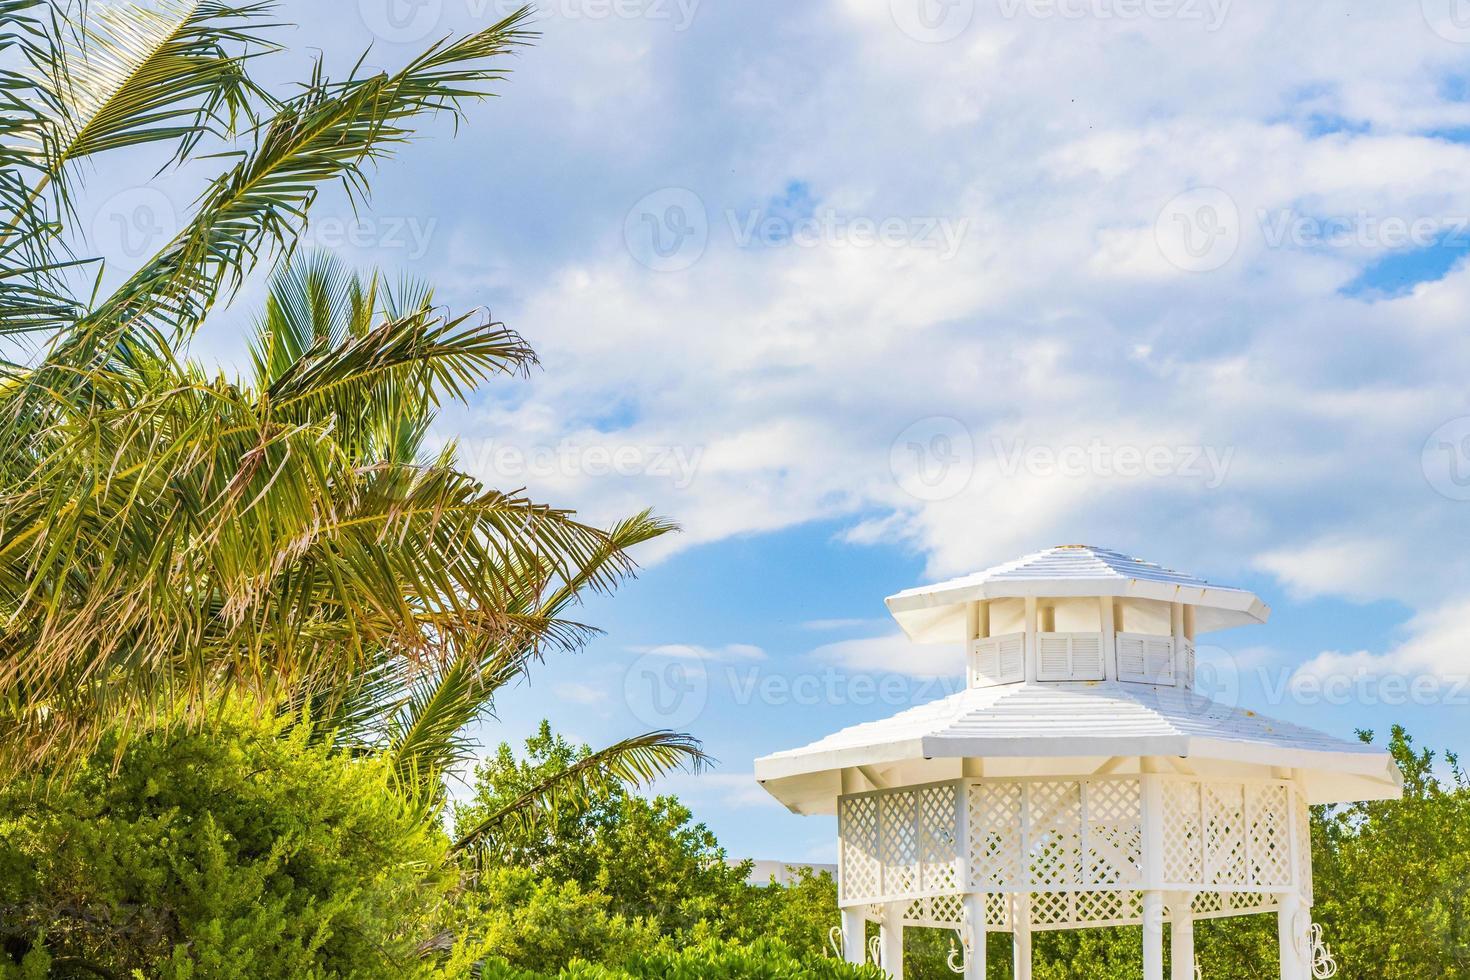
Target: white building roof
x: 1026, y: 729
x: 935, y: 613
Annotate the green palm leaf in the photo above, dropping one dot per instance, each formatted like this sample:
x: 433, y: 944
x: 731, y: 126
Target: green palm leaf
x: 635, y: 761
x: 328, y: 134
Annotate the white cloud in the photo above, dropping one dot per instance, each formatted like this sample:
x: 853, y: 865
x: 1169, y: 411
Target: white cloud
x: 894, y: 654
x: 1359, y: 568
x: 688, y: 651
x: 585, y: 694
x: 825, y: 625
x: 737, y: 790
x: 782, y: 376
x: 1436, y: 644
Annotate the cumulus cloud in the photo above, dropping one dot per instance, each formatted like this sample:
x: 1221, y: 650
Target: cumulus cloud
x: 1436, y: 645
x: 894, y: 654
x: 1257, y: 407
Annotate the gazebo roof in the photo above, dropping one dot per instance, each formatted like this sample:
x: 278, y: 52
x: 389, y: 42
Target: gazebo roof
x: 1041, y: 725
x: 935, y: 613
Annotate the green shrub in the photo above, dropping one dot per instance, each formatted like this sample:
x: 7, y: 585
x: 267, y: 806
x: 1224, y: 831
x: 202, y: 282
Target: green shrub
x: 534, y: 923
x: 241, y: 852
x: 766, y: 960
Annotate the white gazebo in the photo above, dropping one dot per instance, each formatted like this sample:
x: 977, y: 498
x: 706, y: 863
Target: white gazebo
x: 1079, y: 780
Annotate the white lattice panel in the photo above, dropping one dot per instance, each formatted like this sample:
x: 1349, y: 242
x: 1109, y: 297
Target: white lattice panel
x: 995, y: 835
x: 1054, y: 844
x: 1081, y: 910
x: 1183, y: 841
x: 1074, y: 838
x: 861, y: 869
x: 1268, y: 828
x: 902, y: 843
x: 1114, y: 832
x: 1303, y: 842
x: 1224, y: 833
x: 898, y: 842
x: 939, y: 853
x: 1221, y: 905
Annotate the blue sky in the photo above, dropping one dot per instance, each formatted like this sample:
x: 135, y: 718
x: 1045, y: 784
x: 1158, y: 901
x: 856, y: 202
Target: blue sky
x: 870, y: 292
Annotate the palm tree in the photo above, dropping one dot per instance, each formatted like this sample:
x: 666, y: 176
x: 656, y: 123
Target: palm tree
x: 169, y: 536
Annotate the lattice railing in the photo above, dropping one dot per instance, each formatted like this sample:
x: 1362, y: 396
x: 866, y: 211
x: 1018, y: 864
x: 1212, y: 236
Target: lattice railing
x: 1054, y: 911
x: 1069, y: 837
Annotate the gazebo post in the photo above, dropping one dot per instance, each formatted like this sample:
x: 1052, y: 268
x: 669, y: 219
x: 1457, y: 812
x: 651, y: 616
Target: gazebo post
x: 975, y: 927
x: 890, y: 941
x: 1290, y: 934
x: 854, y: 936
x: 1021, y: 937
x: 1153, y: 935
x: 1152, y: 816
x: 1181, y: 936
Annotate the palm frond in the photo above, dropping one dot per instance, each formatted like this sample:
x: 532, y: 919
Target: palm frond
x: 635, y: 761
x: 171, y: 71
x: 328, y: 134
x: 422, y: 729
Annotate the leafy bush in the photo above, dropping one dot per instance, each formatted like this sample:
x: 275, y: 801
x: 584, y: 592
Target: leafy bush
x: 237, y: 852
x: 647, y: 856
x: 537, y: 923
x: 767, y: 960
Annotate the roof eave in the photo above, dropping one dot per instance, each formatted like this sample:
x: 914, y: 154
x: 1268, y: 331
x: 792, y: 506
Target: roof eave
x: 1376, y: 767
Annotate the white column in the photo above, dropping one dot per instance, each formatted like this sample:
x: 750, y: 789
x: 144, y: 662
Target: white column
x: 854, y: 936
x: 975, y: 924
x: 1031, y: 647
x: 1109, y: 638
x: 890, y: 941
x: 1021, y: 937
x: 1291, y: 933
x: 1153, y: 935
x: 1181, y: 936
